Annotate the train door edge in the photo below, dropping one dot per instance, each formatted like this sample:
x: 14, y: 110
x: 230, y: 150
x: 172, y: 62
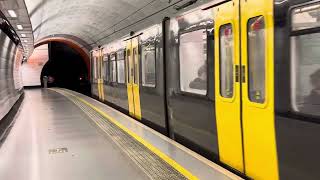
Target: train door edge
x: 257, y: 52
x: 129, y: 77
x: 101, y: 80
x: 227, y: 62
x: 136, y: 80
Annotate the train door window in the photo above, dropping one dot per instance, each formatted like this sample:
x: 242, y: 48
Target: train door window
x: 135, y: 64
x: 226, y: 61
x: 113, y: 68
x: 148, y: 64
x: 98, y: 68
x: 128, y: 72
x: 104, y: 68
x: 305, y: 60
x: 120, y: 67
x: 256, y: 59
x: 193, y: 62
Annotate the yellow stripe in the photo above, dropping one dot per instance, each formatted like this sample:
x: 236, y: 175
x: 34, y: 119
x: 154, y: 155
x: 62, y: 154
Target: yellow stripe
x: 163, y: 156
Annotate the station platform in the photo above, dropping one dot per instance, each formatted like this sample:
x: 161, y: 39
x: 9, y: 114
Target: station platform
x: 61, y: 134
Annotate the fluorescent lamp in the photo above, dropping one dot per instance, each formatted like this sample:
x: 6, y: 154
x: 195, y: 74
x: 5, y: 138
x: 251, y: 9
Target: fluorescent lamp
x: 12, y: 13
x: 19, y: 26
x: 23, y: 35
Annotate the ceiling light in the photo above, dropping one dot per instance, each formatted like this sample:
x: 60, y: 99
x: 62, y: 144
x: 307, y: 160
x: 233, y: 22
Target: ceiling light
x: 19, y: 26
x: 23, y: 35
x: 25, y: 41
x: 12, y: 13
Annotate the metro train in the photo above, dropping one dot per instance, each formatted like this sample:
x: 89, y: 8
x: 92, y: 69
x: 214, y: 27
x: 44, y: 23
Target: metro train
x: 237, y: 81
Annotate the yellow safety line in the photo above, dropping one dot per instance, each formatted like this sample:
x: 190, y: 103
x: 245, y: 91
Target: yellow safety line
x: 163, y: 156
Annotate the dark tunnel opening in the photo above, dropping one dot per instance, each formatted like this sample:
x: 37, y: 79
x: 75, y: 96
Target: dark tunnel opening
x: 66, y: 69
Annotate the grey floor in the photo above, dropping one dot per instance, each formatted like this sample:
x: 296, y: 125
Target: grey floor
x: 47, y: 121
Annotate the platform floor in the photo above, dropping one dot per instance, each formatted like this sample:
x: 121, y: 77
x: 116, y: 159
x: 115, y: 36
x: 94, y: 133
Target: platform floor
x: 57, y: 136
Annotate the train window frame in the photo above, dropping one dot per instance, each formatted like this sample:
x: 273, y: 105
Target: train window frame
x: 265, y: 62
x: 186, y: 31
x: 211, y: 80
x: 295, y: 33
x: 233, y: 66
x: 123, y: 51
x: 290, y: 18
x: 155, y: 63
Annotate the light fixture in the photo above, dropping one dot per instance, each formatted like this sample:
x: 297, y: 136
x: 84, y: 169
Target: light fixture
x: 23, y: 35
x: 12, y: 13
x: 25, y: 41
x: 19, y: 26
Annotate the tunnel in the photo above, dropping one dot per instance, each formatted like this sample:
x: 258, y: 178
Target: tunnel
x: 66, y: 69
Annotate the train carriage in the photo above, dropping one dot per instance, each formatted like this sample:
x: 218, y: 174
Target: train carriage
x: 237, y: 81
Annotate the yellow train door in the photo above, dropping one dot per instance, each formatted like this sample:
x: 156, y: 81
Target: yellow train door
x: 257, y: 45
x: 227, y: 63
x: 133, y: 79
x: 244, y: 82
x: 96, y: 65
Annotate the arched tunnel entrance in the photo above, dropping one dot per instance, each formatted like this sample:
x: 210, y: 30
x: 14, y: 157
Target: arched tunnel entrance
x: 66, y: 68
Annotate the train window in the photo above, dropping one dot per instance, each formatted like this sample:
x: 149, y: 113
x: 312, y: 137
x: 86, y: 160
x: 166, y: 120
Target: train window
x: 226, y: 61
x: 305, y: 73
x: 193, y: 62
x: 256, y: 59
x: 148, y: 63
x: 306, y: 17
x: 120, y: 67
x: 113, y: 68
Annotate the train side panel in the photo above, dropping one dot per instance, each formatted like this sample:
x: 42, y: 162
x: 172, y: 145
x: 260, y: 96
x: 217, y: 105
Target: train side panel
x: 297, y: 44
x: 190, y: 82
x: 152, y: 92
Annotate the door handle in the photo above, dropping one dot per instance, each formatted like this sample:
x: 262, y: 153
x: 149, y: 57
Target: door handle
x: 237, y: 73
x: 243, y: 74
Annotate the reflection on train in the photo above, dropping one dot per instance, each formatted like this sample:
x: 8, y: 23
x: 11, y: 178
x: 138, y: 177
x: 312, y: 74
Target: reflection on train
x: 238, y: 82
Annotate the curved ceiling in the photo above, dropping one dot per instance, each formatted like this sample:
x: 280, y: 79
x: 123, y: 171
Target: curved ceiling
x: 21, y: 18
x: 93, y: 21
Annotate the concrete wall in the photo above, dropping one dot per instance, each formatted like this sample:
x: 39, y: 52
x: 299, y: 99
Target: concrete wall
x: 10, y: 79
